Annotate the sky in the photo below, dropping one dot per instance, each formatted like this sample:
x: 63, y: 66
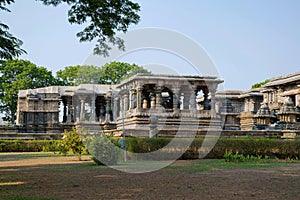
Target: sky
x: 247, y: 41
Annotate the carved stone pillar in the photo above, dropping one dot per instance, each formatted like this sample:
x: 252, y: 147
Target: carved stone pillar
x: 126, y: 102
x: 139, y: 90
x: 186, y: 100
x: 65, y: 111
x: 107, y: 109
x: 93, y: 109
x: 70, y: 117
x: 76, y: 110
x: 152, y: 102
x: 251, y: 105
x: 213, y: 101
x: 246, y: 108
x: 115, y: 108
x: 145, y: 104
x: 102, y: 112
x: 130, y: 99
x: 121, y: 105
x: 176, y: 99
x: 193, y: 101
x: 158, y: 91
x: 82, y: 110
x: 206, y: 105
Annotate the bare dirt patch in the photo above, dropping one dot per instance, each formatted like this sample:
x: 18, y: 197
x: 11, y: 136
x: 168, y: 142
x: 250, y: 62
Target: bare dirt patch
x: 67, y: 178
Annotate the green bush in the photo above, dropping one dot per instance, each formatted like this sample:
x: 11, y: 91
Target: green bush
x: 27, y: 145
x: 73, y: 141
x: 272, y: 148
x: 103, y: 149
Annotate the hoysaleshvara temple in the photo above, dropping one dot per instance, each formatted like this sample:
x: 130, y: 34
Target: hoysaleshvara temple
x: 149, y: 105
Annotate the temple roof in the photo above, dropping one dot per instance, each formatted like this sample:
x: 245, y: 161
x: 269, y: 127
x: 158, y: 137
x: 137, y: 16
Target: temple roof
x: 178, y: 78
x: 69, y: 90
x: 283, y: 80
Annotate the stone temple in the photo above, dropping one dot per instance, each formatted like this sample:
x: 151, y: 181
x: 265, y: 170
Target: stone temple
x: 149, y: 105
x: 131, y: 105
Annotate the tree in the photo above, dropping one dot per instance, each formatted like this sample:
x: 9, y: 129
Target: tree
x: 104, y: 18
x: 17, y: 75
x: 76, y: 75
x: 115, y: 72
x: 111, y: 73
x: 260, y: 84
x: 10, y: 47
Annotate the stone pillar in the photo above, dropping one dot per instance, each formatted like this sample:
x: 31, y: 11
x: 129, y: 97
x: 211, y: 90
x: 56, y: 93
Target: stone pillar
x: 82, y: 110
x: 297, y: 100
x: 126, y: 102
x: 193, y: 101
x: 213, y: 101
x: 139, y: 97
x: 65, y: 111
x: 93, y: 108
x: 107, y: 109
x: 145, y: 104
x: 176, y: 99
x: 71, y: 108
x: 152, y: 102
x: 121, y: 106
x: 130, y: 99
x: 251, y: 105
x: 246, y: 109
x: 186, y: 100
x: 206, y: 105
x: 77, y: 110
x: 115, y: 108
x: 70, y: 117
x: 158, y: 91
x: 102, y: 111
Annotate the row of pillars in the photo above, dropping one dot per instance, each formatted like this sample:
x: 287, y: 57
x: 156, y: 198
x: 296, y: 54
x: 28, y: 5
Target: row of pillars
x: 132, y: 99
x: 77, y: 111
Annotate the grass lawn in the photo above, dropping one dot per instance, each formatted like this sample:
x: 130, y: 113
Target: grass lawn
x: 38, y: 176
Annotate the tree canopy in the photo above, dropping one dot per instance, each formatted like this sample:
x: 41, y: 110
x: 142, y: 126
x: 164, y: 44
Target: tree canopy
x: 110, y: 73
x: 115, y: 72
x: 104, y: 18
x: 260, y: 84
x: 10, y: 46
x: 17, y: 75
x: 79, y: 74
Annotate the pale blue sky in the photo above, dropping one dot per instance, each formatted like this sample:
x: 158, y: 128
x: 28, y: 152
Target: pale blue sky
x: 248, y: 41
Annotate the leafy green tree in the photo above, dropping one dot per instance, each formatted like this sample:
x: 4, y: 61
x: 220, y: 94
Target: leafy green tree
x: 104, y: 18
x: 76, y: 75
x: 115, y: 72
x: 111, y: 73
x: 260, y: 84
x: 17, y: 75
x: 10, y: 46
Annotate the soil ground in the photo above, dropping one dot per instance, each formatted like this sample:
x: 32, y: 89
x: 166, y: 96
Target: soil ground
x: 58, y: 177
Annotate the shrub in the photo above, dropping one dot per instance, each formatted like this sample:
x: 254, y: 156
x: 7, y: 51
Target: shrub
x: 103, y: 149
x: 27, y: 145
x: 72, y: 141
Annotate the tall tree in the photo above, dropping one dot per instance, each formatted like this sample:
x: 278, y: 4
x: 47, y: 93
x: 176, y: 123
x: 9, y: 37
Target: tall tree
x: 75, y: 75
x: 10, y: 46
x: 104, y: 18
x: 17, y: 75
x: 115, y: 72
